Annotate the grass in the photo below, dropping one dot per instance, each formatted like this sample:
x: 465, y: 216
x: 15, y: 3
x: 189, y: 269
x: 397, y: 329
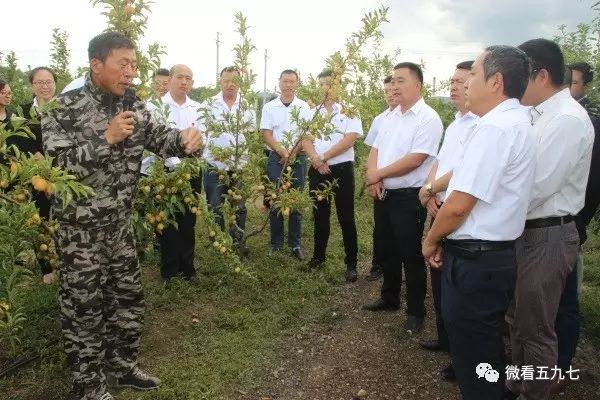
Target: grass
x: 213, y: 341
x: 241, y: 322
x: 590, y: 296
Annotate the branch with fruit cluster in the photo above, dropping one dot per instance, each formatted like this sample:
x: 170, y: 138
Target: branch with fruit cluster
x: 25, y: 235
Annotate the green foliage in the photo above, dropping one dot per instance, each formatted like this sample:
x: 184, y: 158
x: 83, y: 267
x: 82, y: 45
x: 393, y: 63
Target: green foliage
x: 203, y: 93
x: 22, y: 230
x: 17, y: 79
x: 60, y: 58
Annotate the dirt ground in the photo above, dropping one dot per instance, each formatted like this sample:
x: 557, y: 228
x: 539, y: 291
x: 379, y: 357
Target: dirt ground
x: 358, y: 354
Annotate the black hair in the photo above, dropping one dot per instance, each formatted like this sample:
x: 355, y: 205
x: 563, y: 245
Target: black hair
x: 465, y: 65
x: 585, y: 69
x: 512, y: 64
x: 161, y: 72
x: 388, y: 79
x: 414, y: 68
x: 326, y: 73
x: 3, y: 84
x: 38, y: 69
x: 229, y: 69
x: 545, y: 54
x: 101, y: 45
x: 289, y: 71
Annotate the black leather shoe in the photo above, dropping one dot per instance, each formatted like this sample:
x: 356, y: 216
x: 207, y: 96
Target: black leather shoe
x: 431, y: 345
x: 137, y: 379
x: 315, y: 263
x: 413, y: 324
x: 375, y: 273
x: 380, y: 305
x: 297, y: 253
x: 351, y: 275
x: 448, y: 373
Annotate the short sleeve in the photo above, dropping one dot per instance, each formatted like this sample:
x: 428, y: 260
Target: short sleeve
x: 427, y: 137
x: 266, y: 120
x: 485, y: 161
x: 354, y: 125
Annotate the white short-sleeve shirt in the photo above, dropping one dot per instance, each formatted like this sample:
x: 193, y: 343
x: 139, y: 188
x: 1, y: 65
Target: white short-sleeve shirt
x: 343, y: 125
x: 220, y: 111
x: 181, y: 117
x: 374, y: 128
x: 418, y: 130
x: 451, y: 152
x: 498, y: 169
x: 564, y: 139
x: 277, y: 118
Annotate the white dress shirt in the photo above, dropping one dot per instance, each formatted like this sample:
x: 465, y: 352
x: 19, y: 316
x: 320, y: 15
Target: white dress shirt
x: 186, y: 115
x: 453, y: 146
x: 374, y: 128
x: 74, y: 84
x: 221, y: 112
x: 343, y: 125
x: 418, y: 130
x: 277, y: 118
x: 564, y: 139
x: 498, y: 169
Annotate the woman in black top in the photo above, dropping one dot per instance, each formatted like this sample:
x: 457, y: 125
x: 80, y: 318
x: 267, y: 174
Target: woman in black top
x: 43, y: 84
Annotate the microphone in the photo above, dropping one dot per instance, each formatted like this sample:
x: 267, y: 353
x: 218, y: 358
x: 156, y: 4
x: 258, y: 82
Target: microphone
x: 128, y: 99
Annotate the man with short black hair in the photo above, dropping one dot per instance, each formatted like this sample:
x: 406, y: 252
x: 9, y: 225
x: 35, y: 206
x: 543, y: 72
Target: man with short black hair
x: 473, y: 235
x: 280, y: 133
x: 160, y: 81
x: 547, y: 250
x: 92, y: 138
x: 433, y: 194
x: 398, y: 165
x: 332, y: 158
x: 226, y: 109
x: 392, y: 102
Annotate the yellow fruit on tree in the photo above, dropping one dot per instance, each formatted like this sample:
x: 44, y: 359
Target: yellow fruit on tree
x: 222, y: 250
x: 146, y: 189
x: 4, y: 184
x: 43, y: 247
x: 194, y: 210
x: 285, y: 211
x: 14, y: 167
x: 39, y: 183
x: 160, y: 227
x: 212, y: 233
x: 217, y: 244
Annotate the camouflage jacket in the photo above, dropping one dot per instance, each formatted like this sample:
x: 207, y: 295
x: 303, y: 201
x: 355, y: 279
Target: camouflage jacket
x: 73, y: 135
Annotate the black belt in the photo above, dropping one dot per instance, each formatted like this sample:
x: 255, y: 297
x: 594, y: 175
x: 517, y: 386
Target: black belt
x: 473, y: 248
x: 546, y: 222
x: 410, y: 190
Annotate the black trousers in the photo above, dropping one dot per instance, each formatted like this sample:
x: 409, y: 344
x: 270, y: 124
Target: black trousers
x: 378, y: 238
x: 401, y: 219
x: 476, y: 293
x: 177, y: 244
x: 436, y: 290
x: 344, y: 206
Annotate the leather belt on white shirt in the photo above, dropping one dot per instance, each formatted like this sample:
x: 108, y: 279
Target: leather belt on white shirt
x: 472, y: 248
x: 546, y: 222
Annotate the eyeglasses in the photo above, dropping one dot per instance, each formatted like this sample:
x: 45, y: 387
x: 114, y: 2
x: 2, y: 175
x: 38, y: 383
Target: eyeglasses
x: 6, y: 94
x: 43, y: 83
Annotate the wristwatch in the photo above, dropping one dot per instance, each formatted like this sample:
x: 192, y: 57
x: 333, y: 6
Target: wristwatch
x: 429, y: 189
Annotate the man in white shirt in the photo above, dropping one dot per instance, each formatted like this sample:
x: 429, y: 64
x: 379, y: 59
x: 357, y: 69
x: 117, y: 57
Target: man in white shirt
x: 333, y: 158
x: 398, y: 165
x: 547, y: 250
x: 392, y: 102
x: 473, y: 235
x: 177, y: 244
x: 280, y: 134
x: 433, y: 193
x: 224, y: 107
x: 160, y: 82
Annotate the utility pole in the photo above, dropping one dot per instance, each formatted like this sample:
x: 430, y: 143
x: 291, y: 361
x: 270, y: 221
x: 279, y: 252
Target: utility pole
x: 434, y: 82
x: 218, y: 42
x: 265, y: 77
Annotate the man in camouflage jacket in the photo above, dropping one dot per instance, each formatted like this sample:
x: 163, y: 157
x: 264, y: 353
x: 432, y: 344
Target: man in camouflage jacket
x: 95, y: 139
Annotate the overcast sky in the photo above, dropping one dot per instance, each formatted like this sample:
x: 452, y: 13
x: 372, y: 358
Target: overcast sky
x: 297, y: 34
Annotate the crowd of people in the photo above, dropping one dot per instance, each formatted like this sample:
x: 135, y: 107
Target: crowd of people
x: 507, y: 190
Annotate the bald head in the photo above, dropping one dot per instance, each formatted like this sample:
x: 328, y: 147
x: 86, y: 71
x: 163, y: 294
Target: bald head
x: 181, y: 81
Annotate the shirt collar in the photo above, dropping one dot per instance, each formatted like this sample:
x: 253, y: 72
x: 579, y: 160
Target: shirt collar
x: 465, y: 116
x: 415, y: 109
x: 508, y: 104
x: 218, y: 98
x: 548, y: 104
x: 167, y: 98
x: 293, y: 103
x: 336, y: 109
